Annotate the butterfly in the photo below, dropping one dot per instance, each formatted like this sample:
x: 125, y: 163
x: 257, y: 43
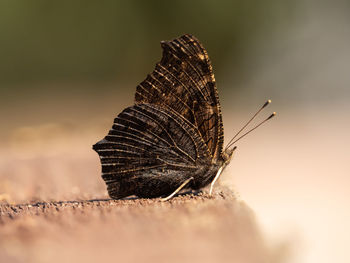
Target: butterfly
x: 172, y: 137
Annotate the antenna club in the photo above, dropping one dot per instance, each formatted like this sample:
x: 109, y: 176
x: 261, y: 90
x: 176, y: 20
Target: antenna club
x: 271, y: 116
x: 266, y: 103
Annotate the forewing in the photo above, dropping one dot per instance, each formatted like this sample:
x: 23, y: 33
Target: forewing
x: 149, y: 144
x: 184, y: 81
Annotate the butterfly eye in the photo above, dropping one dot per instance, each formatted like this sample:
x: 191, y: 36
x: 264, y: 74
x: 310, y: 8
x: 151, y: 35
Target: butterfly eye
x: 227, y: 156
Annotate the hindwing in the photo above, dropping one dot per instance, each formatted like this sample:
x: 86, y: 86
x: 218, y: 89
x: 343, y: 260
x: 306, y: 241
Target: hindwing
x: 152, y: 147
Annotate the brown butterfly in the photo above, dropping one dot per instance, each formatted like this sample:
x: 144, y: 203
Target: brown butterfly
x: 172, y: 138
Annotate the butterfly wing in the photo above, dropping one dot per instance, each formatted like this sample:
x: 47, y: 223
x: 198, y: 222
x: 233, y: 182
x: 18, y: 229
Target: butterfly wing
x: 184, y: 81
x: 149, y: 152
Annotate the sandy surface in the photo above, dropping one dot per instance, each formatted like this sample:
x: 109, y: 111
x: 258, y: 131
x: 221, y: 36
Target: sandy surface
x: 187, y: 228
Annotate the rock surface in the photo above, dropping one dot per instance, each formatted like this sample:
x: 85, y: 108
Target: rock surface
x: 188, y: 228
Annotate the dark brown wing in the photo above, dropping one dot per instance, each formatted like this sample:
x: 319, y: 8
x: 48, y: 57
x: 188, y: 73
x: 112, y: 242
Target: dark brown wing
x: 149, y: 152
x: 184, y: 81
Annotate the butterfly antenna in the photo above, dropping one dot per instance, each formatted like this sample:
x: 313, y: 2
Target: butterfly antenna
x: 252, y: 118
x: 257, y: 126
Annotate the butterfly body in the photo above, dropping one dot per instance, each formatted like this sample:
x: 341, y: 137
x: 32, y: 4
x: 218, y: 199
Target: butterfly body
x: 150, y: 186
x: 173, y: 133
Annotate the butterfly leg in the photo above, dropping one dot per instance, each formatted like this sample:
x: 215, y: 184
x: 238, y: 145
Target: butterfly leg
x: 177, y: 190
x: 215, y: 179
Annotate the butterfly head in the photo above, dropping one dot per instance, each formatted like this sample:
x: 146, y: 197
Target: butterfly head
x: 227, y: 155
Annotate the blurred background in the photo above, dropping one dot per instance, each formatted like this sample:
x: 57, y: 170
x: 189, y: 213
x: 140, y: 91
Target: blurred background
x: 68, y: 68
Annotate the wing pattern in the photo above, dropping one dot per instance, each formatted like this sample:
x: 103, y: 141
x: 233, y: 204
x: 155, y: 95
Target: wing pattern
x: 149, y: 152
x: 183, y: 81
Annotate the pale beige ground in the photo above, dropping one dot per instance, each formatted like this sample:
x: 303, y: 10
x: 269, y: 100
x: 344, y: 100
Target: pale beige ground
x: 186, y: 229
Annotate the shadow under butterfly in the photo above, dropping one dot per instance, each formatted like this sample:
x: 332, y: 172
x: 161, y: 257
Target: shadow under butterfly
x: 172, y: 138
